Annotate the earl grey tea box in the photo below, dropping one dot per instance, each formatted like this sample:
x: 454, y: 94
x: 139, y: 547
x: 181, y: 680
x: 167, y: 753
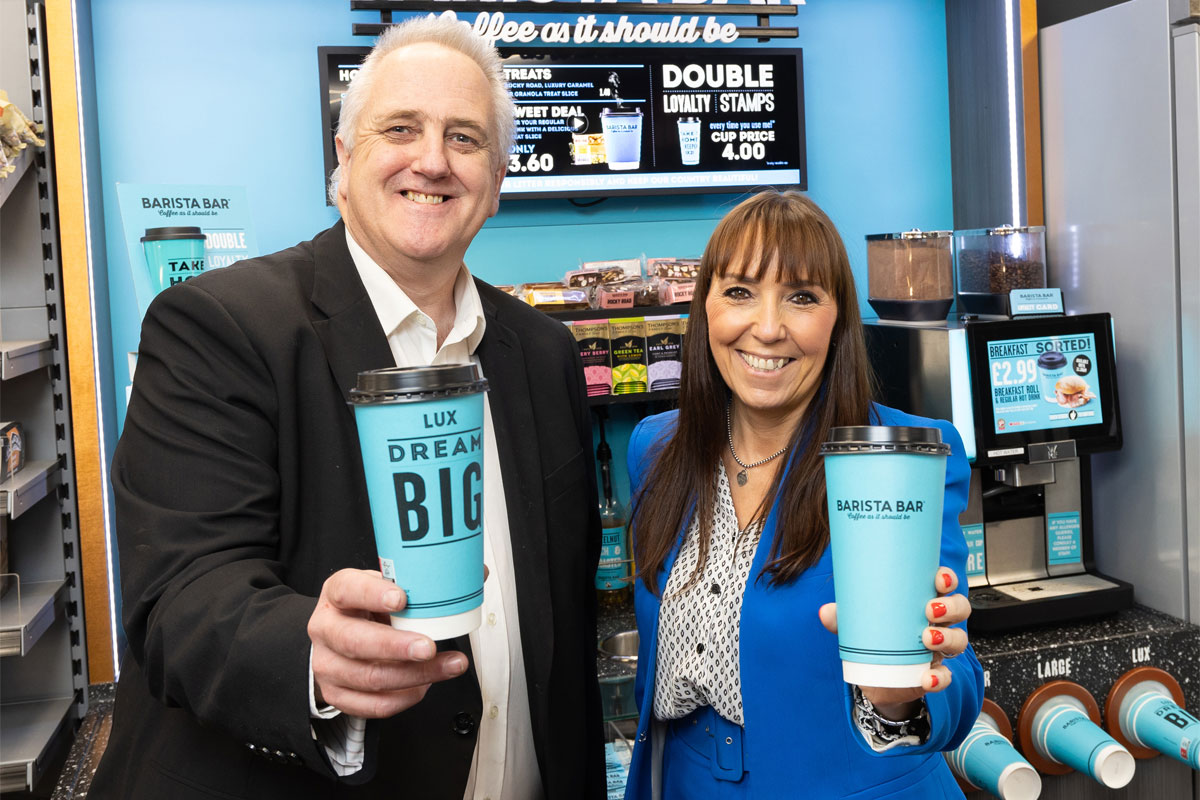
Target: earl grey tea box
x: 664, y: 353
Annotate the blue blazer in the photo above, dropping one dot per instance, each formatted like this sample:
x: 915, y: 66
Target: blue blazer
x: 796, y: 706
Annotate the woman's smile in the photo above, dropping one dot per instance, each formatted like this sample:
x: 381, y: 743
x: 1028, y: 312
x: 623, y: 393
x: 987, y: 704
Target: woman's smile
x: 764, y: 363
x: 769, y: 338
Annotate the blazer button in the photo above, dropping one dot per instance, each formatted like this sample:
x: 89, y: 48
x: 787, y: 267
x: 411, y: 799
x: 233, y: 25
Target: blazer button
x: 464, y: 723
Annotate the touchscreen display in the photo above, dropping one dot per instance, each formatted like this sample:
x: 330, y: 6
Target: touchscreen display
x: 1044, y: 382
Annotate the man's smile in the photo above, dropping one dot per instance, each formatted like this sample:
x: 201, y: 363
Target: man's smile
x: 425, y: 199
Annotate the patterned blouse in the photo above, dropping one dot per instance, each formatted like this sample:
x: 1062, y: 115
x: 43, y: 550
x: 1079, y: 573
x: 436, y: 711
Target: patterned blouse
x: 698, y: 626
x: 699, y: 656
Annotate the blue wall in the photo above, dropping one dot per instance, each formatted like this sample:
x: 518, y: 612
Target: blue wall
x: 216, y: 92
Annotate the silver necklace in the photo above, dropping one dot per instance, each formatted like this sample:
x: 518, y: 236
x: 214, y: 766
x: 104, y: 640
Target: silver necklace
x: 741, y: 476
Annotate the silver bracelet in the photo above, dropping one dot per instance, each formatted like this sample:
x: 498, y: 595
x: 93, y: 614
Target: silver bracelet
x: 870, y: 721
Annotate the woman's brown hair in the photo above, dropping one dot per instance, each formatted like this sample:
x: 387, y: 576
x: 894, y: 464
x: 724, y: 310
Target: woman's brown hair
x: 790, y: 231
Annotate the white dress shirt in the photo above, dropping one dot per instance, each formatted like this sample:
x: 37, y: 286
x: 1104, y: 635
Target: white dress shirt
x: 504, y: 766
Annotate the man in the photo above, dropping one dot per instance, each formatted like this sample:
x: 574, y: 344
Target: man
x: 263, y: 663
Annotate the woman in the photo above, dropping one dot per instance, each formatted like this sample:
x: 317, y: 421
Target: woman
x: 739, y: 683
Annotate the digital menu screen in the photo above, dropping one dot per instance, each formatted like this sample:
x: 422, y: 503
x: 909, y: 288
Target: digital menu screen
x: 613, y: 121
x: 1044, y: 382
x: 652, y: 120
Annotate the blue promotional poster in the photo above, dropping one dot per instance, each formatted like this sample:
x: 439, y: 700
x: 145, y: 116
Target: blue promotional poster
x: 175, y: 232
x: 1044, y: 382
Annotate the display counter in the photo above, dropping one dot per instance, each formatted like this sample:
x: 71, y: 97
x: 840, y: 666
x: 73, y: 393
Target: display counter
x: 1093, y: 654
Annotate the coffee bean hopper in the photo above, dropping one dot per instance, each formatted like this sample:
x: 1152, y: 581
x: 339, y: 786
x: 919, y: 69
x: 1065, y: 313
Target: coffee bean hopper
x: 991, y: 262
x: 910, y: 275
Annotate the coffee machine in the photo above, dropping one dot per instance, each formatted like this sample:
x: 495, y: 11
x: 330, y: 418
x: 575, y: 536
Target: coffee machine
x: 1032, y: 398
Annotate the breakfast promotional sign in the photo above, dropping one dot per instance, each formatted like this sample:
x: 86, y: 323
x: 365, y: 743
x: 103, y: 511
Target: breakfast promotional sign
x: 1044, y: 382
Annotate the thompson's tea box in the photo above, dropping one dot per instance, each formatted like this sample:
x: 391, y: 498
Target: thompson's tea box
x: 664, y: 352
x: 592, y: 337
x: 628, y: 355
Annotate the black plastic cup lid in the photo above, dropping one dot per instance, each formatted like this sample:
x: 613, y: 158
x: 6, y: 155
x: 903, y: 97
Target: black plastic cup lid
x: 1051, y: 359
x: 178, y: 232
x: 406, y: 384
x: 885, y: 439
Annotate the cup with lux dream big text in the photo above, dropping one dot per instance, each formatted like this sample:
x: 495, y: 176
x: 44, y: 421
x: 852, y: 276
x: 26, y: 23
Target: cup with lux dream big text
x: 173, y: 255
x: 622, y: 137
x: 885, y: 487
x: 420, y: 430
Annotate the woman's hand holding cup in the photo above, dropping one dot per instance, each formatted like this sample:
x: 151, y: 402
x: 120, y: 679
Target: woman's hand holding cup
x: 939, y: 638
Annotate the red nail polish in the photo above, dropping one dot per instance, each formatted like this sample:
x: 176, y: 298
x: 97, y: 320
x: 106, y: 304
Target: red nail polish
x: 939, y: 609
x: 933, y: 681
x: 937, y: 637
x: 946, y: 581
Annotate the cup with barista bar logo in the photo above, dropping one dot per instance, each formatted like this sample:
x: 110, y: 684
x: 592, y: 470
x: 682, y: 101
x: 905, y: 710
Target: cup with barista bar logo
x: 885, y: 486
x: 173, y: 254
x: 420, y: 432
x: 1051, y: 366
x: 622, y: 137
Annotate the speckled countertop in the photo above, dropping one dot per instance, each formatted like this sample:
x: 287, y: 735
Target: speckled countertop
x: 608, y: 624
x: 90, y: 740
x: 1093, y: 653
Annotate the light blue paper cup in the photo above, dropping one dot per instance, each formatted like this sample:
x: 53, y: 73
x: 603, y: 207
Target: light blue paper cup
x: 1149, y: 717
x: 1051, y: 365
x: 885, y: 487
x: 1065, y: 734
x: 420, y: 431
x: 622, y: 137
x: 988, y: 761
x: 173, y: 255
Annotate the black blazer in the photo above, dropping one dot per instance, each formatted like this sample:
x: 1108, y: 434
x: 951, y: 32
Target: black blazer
x: 239, y: 489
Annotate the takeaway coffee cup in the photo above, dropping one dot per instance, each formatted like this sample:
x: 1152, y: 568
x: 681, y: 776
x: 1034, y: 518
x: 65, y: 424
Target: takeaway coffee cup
x: 622, y: 137
x: 1051, y: 365
x: 1149, y: 717
x: 987, y: 760
x: 420, y: 430
x: 885, y: 487
x: 173, y: 255
x: 689, y: 140
x: 1064, y: 733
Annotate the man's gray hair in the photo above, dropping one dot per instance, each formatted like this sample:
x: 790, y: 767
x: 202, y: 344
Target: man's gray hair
x: 448, y: 32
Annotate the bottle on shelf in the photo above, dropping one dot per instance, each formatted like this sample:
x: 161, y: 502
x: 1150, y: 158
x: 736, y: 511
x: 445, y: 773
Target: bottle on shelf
x: 614, y: 584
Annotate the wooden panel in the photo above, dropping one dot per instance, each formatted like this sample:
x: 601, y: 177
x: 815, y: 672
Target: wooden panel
x: 1032, y: 105
x: 77, y: 301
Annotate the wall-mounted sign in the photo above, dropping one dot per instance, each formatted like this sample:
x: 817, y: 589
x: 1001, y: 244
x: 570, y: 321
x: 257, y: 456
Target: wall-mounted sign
x: 605, y: 22
x: 176, y: 232
x: 605, y: 121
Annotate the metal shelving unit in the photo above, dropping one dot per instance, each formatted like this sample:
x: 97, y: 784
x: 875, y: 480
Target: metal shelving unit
x: 43, y: 663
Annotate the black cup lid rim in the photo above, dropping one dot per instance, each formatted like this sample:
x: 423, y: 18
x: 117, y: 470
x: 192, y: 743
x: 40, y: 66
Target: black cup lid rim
x: 173, y: 232
x: 377, y: 384
x: 1052, y: 358
x: 879, y: 436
